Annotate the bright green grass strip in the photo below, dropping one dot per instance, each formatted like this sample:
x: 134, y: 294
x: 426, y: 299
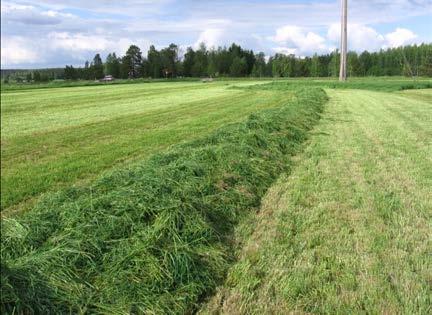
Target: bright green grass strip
x: 348, y: 232
x: 129, y: 124
x: 373, y: 84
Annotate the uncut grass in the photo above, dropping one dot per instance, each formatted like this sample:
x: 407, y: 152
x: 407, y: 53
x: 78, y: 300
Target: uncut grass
x: 155, y: 237
x: 373, y: 84
x: 422, y: 95
x: 33, y: 164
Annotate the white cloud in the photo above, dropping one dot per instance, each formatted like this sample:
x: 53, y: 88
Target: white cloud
x: 400, y: 37
x: 360, y: 37
x: 300, y: 41
x: 133, y: 7
x: 78, y: 42
x: 30, y: 15
x: 16, y: 50
x: 7, y: 7
x: 47, y: 28
x: 211, y: 37
x: 52, y: 13
x: 285, y: 50
x: 93, y: 43
x: 294, y: 39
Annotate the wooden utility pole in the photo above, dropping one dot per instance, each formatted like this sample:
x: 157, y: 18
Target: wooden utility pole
x: 344, y: 40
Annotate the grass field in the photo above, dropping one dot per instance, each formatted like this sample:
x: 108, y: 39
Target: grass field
x: 56, y: 137
x: 235, y: 197
x: 49, y: 134
x: 348, y: 232
x: 153, y: 237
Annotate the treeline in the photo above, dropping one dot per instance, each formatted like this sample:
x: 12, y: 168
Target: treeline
x: 30, y: 75
x: 166, y: 63
x: 235, y: 61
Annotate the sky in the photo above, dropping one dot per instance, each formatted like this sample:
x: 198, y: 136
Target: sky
x: 53, y: 33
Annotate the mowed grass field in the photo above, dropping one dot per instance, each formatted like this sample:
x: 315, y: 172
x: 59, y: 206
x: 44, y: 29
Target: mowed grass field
x: 59, y: 136
x: 153, y: 237
x: 349, y: 231
x: 290, y: 196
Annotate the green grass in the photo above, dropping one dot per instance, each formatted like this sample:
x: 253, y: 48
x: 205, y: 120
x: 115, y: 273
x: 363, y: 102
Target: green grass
x: 385, y: 84
x: 56, y: 137
x: 154, y: 237
x: 367, y: 82
x: 349, y: 231
x: 5, y: 87
x: 423, y: 95
x: 67, y: 83
x: 140, y: 226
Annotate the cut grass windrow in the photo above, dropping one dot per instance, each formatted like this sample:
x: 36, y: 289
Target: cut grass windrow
x: 155, y: 237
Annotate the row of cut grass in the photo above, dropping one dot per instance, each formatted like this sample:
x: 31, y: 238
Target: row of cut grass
x: 155, y: 237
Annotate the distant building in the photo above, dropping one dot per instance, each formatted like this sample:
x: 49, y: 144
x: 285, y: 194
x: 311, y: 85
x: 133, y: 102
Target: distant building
x: 107, y: 78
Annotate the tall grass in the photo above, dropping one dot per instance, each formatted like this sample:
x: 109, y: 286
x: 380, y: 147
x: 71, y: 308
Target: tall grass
x: 155, y: 237
x: 373, y: 84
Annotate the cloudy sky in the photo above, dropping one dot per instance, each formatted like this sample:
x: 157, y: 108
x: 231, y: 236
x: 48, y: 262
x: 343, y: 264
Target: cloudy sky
x: 49, y: 33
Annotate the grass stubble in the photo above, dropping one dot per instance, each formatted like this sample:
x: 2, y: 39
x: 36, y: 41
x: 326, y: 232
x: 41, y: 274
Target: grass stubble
x: 348, y: 232
x: 55, y: 138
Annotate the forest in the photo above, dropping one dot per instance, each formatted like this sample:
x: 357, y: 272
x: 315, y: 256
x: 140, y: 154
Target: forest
x: 235, y: 61
x: 238, y: 62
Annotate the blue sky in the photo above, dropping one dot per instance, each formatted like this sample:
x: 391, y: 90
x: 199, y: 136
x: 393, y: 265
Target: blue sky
x: 50, y: 33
